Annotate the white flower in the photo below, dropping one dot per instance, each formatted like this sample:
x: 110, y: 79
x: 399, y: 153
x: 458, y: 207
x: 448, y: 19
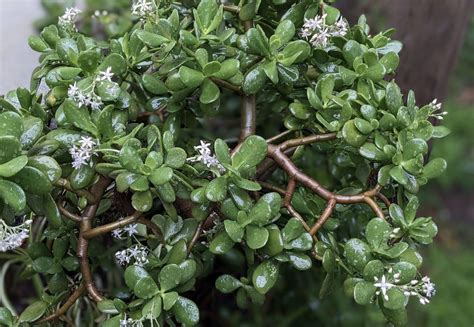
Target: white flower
x: 130, y: 322
x: 383, y: 285
x: 69, y: 18
x: 428, y: 287
x: 105, y: 75
x: 142, y: 8
x: 81, y: 155
x: 318, y: 33
x: 205, y: 156
x: 12, y: 237
x: 130, y: 230
x: 136, y: 253
x: 436, y: 108
x: 90, y: 99
x: 73, y: 90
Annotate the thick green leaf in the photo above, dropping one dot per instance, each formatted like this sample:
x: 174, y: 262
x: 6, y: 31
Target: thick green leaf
x: 256, y: 237
x: 221, y: 243
x: 209, y: 92
x: 378, y: 232
x: 142, y: 201
x: 32, y: 129
x: 176, y: 158
x: 13, y: 166
x: 13, y: 195
x: 186, y: 311
x: 357, y: 253
x: 79, y: 117
x: 216, y: 190
x: 161, y: 176
x: 32, y: 180
x: 33, y: 312
x: 227, y: 283
x: 10, y: 148
x: 138, y: 280
x: 169, y: 277
x: 47, y: 165
x: 252, y: 151
x: 265, y: 276
x: 11, y: 124
x: 234, y: 230
x: 363, y: 292
x: 190, y: 77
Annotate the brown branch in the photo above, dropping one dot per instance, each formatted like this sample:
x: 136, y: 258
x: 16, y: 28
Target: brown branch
x: 65, y: 307
x: 293, y: 172
x: 279, y: 136
x: 66, y: 213
x: 272, y: 187
x: 248, y: 119
x: 307, y: 140
x: 384, y: 200
x: 375, y: 207
x: 227, y: 85
x: 324, y: 217
x: 231, y: 8
x: 64, y: 183
x: 196, y: 236
x: 104, y: 229
x: 97, y: 190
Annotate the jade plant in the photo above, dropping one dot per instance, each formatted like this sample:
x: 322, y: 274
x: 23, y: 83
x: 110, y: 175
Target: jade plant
x: 127, y: 187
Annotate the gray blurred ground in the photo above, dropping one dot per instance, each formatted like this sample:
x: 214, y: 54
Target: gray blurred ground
x: 17, y: 60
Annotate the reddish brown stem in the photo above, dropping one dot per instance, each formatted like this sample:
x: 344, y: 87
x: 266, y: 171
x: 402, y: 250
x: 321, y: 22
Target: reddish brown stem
x: 307, y: 140
x: 66, y: 213
x: 65, y: 307
x: 104, y: 229
x: 83, y: 244
x: 324, y: 217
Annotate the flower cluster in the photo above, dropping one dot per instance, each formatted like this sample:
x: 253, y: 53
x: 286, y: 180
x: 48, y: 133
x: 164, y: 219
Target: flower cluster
x: 69, y: 18
x: 130, y: 322
x: 82, y: 154
x: 89, y: 99
x: 130, y: 230
x: 423, y: 289
x: 436, y: 110
x: 318, y: 33
x: 137, y: 253
x: 12, y: 237
x: 143, y: 8
x: 205, y: 156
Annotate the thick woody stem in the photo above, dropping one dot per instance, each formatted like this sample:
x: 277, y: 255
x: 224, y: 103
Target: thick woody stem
x: 104, y: 229
x: 248, y: 119
x: 65, y: 307
x: 83, y: 244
